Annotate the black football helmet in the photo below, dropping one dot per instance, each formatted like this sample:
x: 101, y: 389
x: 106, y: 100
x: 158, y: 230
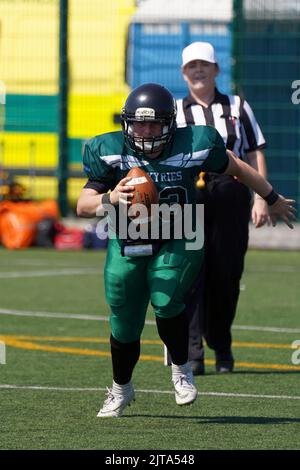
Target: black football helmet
x: 154, y: 103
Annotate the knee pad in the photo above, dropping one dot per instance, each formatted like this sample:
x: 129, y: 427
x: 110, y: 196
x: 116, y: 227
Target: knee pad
x: 127, y: 310
x: 114, y: 289
x: 125, y: 328
x: 167, y: 284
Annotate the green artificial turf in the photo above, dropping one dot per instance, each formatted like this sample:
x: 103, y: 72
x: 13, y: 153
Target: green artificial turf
x: 36, y: 281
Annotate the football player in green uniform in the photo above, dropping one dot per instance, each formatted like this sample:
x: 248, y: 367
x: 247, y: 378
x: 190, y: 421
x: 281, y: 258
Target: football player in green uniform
x: 173, y: 158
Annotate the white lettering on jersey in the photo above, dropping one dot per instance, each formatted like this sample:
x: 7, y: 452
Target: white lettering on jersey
x: 169, y: 176
x: 154, y: 176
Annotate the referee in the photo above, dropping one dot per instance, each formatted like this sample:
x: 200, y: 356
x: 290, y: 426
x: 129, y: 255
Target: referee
x: 212, y: 306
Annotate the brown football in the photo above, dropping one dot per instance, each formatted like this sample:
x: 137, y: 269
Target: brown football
x: 145, y: 191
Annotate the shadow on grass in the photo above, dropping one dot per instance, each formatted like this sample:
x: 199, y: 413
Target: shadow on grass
x: 222, y: 419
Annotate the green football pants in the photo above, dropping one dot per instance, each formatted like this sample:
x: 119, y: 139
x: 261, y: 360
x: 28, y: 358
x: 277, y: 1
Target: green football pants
x: 131, y: 282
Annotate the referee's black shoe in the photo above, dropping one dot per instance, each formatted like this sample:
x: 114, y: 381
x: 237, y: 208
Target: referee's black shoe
x: 197, y: 366
x: 224, y: 362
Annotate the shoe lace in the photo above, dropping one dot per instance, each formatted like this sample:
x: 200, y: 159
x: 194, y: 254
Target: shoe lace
x: 184, y: 381
x: 110, y: 396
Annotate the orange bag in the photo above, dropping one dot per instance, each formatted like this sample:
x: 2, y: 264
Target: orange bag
x: 18, y: 221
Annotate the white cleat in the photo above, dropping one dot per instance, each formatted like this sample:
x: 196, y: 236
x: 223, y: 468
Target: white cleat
x: 115, y: 403
x: 185, y: 390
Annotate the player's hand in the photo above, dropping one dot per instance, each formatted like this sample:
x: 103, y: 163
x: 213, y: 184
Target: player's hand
x: 122, y: 194
x: 260, y: 212
x: 284, y: 209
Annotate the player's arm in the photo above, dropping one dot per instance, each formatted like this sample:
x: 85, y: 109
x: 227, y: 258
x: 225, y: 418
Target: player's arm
x: 278, y: 205
x: 91, y: 201
x: 88, y: 202
x: 260, y: 210
x: 254, y: 142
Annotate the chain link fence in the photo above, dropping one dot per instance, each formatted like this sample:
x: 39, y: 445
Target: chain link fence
x: 267, y: 64
x: 114, y: 46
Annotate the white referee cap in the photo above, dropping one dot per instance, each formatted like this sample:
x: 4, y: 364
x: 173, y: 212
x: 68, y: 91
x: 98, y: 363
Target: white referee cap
x: 199, y: 51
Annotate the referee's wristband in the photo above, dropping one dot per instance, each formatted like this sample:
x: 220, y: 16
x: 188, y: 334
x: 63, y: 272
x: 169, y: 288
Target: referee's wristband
x: 105, y: 199
x: 271, y: 198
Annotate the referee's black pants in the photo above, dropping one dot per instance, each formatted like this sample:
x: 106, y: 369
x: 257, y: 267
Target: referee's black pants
x: 212, y: 305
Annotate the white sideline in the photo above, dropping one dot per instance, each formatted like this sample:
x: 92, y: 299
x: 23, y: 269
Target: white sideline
x: 79, y: 316
x: 99, y: 389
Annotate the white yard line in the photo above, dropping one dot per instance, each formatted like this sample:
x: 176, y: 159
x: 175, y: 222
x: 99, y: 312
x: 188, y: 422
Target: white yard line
x: 67, y: 264
x: 272, y: 329
x: 45, y: 263
x: 78, y: 316
x: 46, y: 273
x: 168, y: 392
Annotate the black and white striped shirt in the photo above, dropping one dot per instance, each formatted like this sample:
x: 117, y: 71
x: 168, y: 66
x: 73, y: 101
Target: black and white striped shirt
x: 230, y: 115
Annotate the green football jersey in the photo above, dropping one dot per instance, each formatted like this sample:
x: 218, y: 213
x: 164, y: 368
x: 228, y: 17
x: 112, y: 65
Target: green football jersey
x: 194, y: 148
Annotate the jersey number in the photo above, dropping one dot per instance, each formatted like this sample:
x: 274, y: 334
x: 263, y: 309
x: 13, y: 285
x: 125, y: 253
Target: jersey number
x: 173, y: 195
